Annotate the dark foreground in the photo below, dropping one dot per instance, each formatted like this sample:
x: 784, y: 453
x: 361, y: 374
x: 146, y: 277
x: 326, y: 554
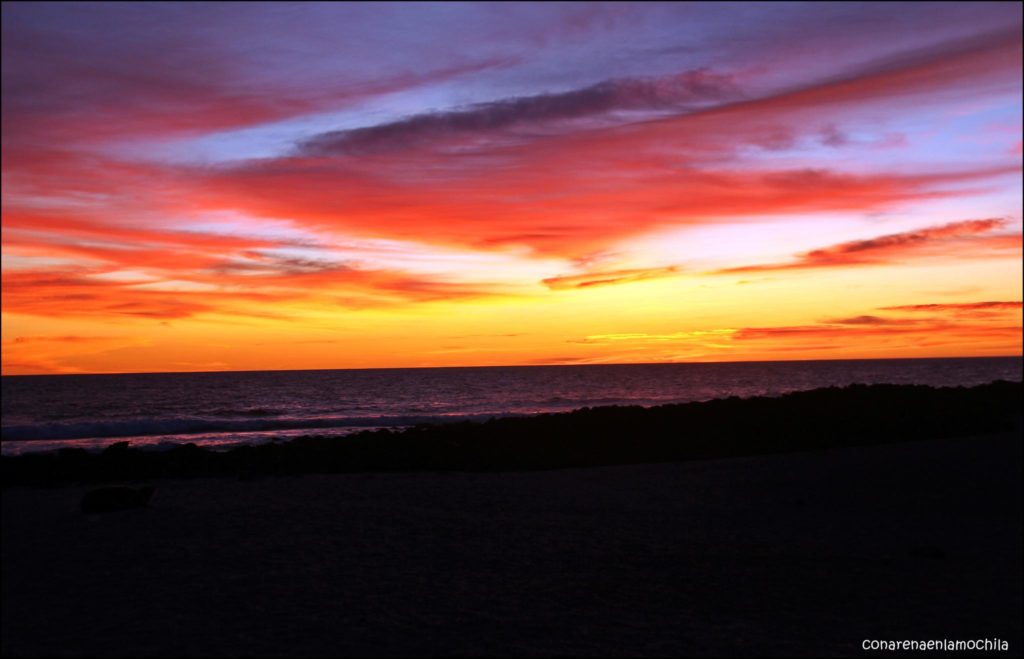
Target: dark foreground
x: 805, y: 553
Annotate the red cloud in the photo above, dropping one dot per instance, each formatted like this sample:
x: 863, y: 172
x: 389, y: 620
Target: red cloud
x: 961, y: 238
x: 567, y: 191
x: 558, y: 205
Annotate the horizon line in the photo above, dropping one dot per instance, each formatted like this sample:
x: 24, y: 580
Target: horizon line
x: 422, y: 368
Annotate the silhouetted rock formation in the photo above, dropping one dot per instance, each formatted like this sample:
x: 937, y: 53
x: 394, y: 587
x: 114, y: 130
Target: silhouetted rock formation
x: 111, y: 499
x: 856, y: 415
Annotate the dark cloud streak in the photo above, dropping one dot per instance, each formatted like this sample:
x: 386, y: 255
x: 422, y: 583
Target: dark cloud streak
x: 672, y: 93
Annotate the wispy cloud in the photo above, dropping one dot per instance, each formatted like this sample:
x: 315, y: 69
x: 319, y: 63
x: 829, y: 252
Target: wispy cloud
x: 870, y: 320
x: 999, y: 332
x: 944, y: 324
x: 959, y: 307
x: 966, y: 238
x: 645, y: 337
x: 486, y: 121
x: 608, y: 277
x: 965, y: 310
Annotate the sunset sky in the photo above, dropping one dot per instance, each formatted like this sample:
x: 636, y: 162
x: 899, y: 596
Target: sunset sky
x: 194, y: 187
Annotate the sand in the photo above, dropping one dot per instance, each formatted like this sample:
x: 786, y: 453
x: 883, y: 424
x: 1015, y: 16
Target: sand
x: 800, y: 554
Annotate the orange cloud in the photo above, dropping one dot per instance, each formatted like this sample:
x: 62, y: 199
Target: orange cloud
x: 955, y: 324
x: 86, y: 292
x: 831, y: 338
x: 1006, y: 339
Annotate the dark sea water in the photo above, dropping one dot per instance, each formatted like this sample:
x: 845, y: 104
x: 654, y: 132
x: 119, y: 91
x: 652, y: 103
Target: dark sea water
x: 224, y: 409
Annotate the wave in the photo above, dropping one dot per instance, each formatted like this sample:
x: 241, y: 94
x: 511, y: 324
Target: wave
x: 249, y: 411
x: 257, y: 419
x: 196, y: 426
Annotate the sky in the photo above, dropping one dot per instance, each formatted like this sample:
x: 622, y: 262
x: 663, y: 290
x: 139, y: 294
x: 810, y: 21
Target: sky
x: 249, y: 186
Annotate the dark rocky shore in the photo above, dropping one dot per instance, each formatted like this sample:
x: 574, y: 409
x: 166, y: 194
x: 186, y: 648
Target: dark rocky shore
x: 855, y: 415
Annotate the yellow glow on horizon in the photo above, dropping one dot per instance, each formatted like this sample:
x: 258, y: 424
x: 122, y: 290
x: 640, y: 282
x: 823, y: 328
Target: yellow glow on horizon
x: 688, y: 317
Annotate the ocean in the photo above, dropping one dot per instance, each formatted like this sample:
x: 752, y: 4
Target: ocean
x: 219, y: 410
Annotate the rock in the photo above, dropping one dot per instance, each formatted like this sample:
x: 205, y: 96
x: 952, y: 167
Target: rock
x: 117, y: 448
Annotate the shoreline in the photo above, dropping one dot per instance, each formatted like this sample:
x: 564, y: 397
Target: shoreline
x: 798, y: 421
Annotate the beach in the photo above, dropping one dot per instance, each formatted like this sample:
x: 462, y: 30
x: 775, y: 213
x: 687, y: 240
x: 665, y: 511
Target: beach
x: 804, y: 553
